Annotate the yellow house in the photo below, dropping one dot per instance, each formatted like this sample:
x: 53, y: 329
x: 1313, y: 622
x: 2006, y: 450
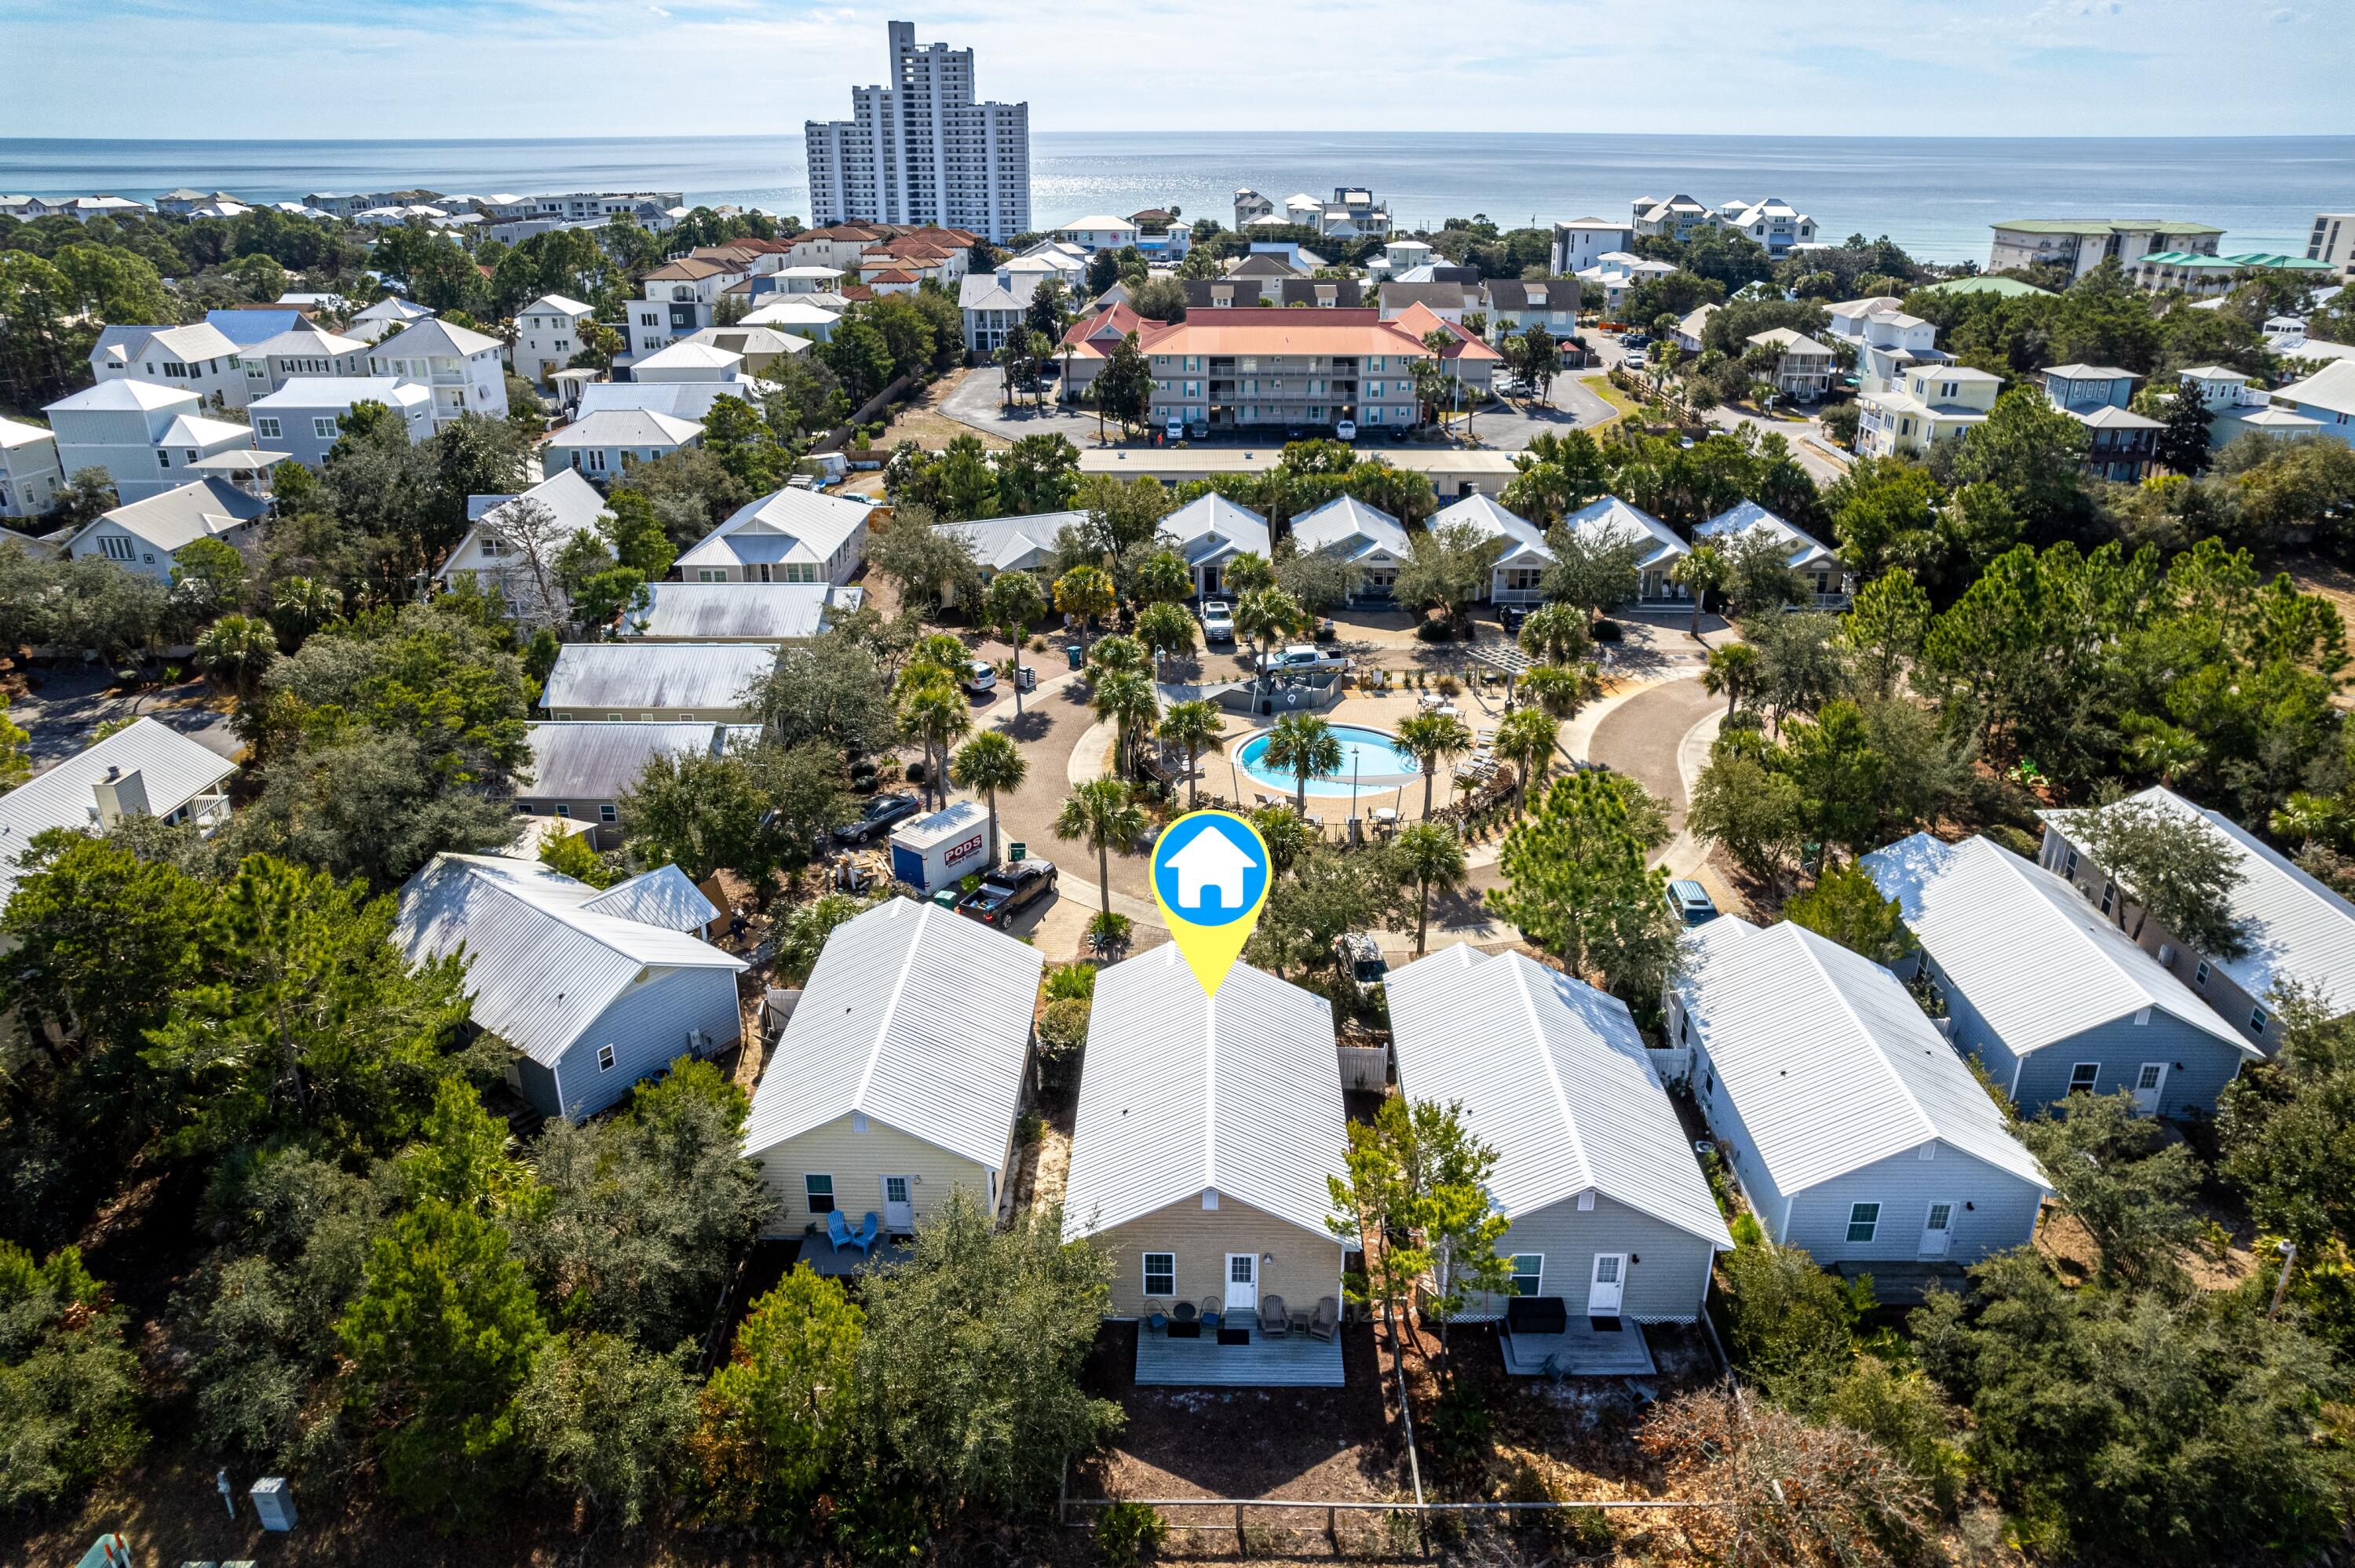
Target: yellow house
x: 1929, y: 404
x: 898, y: 1079
x: 1206, y: 1131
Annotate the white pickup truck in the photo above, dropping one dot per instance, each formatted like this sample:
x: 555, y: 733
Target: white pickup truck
x: 1301, y: 659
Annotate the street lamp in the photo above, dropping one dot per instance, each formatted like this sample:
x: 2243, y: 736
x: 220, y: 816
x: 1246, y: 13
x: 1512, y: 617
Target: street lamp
x: 2288, y: 1251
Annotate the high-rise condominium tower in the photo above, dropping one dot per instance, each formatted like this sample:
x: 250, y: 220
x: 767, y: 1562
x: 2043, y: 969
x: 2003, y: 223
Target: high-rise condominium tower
x: 919, y: 150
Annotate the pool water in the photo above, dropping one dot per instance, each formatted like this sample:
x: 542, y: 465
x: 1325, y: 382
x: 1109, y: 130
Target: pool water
x: 1373, y: 756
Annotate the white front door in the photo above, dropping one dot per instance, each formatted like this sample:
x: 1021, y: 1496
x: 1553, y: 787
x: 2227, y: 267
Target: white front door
x: 1609, y: 1286
x: 1242, y: 1283
x: 2148, y: 1081
x: 899, y: 1208
x: 1938, y: 1230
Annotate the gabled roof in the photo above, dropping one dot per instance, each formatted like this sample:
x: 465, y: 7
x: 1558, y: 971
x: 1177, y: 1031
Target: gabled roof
x: 626, y: 427
x: 304, y: 339
x: 1185, y: 1094
x: 392, y: 309
x: 636, y: 677
x: 915, y: 1017
x: 598, y: 760
x: 1612, y: 517
x: 688, y: 269
x: 1553, y: 1076
x: 1211, y: 525
x: 2332, y: 387
x: 1421, y: 321
x: 1355, y: 527
x: 304, y: 392
x: 2089, y: 373
x: 557, y: 304
x: 571, y: 499
x: 193, y: 430
x: 435, y: 336
x: 784, y: 524
x: 2109, y: 417
x: 16, y: 433
x: 794, y: 311
x: 540, y: 965
x: 196, y: 510
x: 192, y: 343
x: 1521, y: 536
x: 2036, y: 960
x: 663, y: 897
x: 688, y: 355
x: 1546, y: 294
x: 1000, y: 544
x: 1827, y: 1059
x: 123, y: 394
x: 1096, y: 335
x: 2299, y: 931
x: 172, y: 768
x: 1790, y: 341
x: 1807, y: 550
x: 767, y: 612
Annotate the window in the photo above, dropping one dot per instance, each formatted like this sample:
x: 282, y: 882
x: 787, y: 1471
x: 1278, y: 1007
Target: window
x: 2257, y: 1021
x: 1528, y: 1273
x: 2083, y: 1076
x: 113, y: 549
x: 2148, y: 1080
x: 2069, y: 869
x: 2109, y: 893
x: 1864, y: 1220
x: 562, y: 810
x: 324, y: 427
x: 266, y: 427
x: 606, y: 813
x: 163, y: 458
x: 819, y: 1192
x: 604, y: 1058
x: 1160, y: 1274
x: 2200, y: 975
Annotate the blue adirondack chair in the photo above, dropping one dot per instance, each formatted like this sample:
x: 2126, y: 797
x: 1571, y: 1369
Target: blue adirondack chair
x: 868, y: 1228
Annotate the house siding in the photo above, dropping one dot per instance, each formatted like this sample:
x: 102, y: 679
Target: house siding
x: 2199, y: 1064
x: 1305, y: 1269
x: 647, y: 1027
x: 2002, y: 1212
x: 537, y: 1085
x: 859, y: 1161
x: 1667, y: 1286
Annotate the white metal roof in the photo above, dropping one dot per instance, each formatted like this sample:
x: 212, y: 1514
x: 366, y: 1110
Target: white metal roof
x: 2299, y: 931
x: 663, y: 897
x: 1349, y: 523
x: 786, y: 524
x: 1210, y: 525
x: 557, y: 305
x: 540, y: 965
x: 1553, y: 1076
x: 1612, y: 518
x: 914, y: 1016
x: 172, y: 768
x: 689, y: 354
x: 431, y: 336
x: 600, y: 760
x: 626, y: 427
x: 2035, y: 960
x: 16, y: 433
x: 1521, y: 536
x: 1183, y: 1094
x: 1003, y: 543
x: 304, y: 392
x: 124, y: 393
x: 1829, y: 1061
x: 631, y: 677
x: 1805, y: 548
x: 199, y: 510
x: 766, y: 612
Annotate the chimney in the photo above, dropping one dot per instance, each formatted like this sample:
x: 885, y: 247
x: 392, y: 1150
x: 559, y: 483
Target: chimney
x: 121, y: 794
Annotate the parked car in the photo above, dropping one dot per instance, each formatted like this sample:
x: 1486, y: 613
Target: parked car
x: 1218, y: 621
x: 1175, y: 429
x: 1638, y: 339
x: 1691, y: 901
x: 884, y: 812
x: 1635, y: 359
x: 1361, y: 960
x: 1199, y: 429
x: 1301, y: 659
x: 1346, y: 431
x: 1510, y: 616
x: 1007, y: 891
x: 980, y: 677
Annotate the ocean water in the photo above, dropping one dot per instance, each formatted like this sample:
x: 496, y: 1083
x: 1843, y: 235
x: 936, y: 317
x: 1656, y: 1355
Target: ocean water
x: 1934, y: 195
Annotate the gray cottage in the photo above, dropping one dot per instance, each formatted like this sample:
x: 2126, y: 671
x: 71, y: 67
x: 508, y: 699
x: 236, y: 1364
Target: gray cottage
x: 1855, y: 1129
x: 2048, y: 995
x: 1610, y: 1212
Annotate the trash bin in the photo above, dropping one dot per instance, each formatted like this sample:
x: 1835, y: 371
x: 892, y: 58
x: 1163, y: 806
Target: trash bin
x: 1016, y: 849
x: 947, y: 897
x: 1075, y: 653
x: 1026, y: 678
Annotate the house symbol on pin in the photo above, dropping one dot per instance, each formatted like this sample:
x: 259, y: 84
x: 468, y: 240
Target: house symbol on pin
x: 1212, y: 861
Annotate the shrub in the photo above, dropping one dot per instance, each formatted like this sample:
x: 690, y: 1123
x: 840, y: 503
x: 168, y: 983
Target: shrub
x: 1435, y: 632
x: 1127, y: 1532
x: 1606, y: 631
x: 1071, y: 983
x: 2019, y: 840
x: 915, y: 774
x: 1109, y: 930
x: 1746, y: 1230
x: 1447, y: 685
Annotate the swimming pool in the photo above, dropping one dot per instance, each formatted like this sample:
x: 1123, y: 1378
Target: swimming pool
x: 1375, y: 757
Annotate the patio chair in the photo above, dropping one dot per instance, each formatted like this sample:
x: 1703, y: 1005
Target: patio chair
x: 867, y: 1229
x: 1211, y: 1315
x: 1326, y: 1323
x: 838, y: 1232
x: 1155, y: 1318
x: 1273, y: 1321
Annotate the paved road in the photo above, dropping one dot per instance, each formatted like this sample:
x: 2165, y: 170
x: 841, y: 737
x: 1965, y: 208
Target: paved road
x: 1820, y: 465
x: 979, y: 400
x: 65, y: 707
x: 1641, y: 738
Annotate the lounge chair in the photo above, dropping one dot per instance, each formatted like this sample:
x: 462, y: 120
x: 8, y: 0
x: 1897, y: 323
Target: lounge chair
x: 1273, y: 1321
x: 867, y: 1230
x: 838, y: 1232
x: 1326, y: 1323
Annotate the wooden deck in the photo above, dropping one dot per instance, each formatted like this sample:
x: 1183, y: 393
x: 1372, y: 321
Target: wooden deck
x: 824, y: 1258
x: 1295, y: 1361
x: 1907, y: 1284
x: 1581, y: 1353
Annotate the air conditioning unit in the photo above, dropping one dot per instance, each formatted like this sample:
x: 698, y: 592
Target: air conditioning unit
x: 2167, y: 955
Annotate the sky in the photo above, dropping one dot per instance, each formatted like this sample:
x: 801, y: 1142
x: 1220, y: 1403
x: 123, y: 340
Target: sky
x: 277, y: 69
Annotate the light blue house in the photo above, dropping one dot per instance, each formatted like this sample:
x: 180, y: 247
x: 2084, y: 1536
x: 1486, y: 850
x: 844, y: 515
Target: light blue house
x: 2045, y: 993
x: 1854, y: 1129
x: 593, y: 991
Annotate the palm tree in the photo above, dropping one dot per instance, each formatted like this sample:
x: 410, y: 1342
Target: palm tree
x: 1163, y: 576
x: 1167, y: 632
x: 1304, y: 747
x: 934, y: 713
x: 1526, y: 739
x: 989, y: 762
x: 1195, y: 727
x: 1561, y: 690
x: 1248, y: 570
x: 1101, y: 813
x: 1704, y: 569
x: 1556, y: 635
x: 1012, y: 604
x: 1126, y: 697
x: 1433, y: 740
x: 1433, y: 856
x: 2157, y: 746
x: 1118, y: 654
x: 236, y: 650
x: 1085, y: 592
x: 1263, y: 617
x: 302, y: 606
x: 1730, y: 670
x: 1287, y: 838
